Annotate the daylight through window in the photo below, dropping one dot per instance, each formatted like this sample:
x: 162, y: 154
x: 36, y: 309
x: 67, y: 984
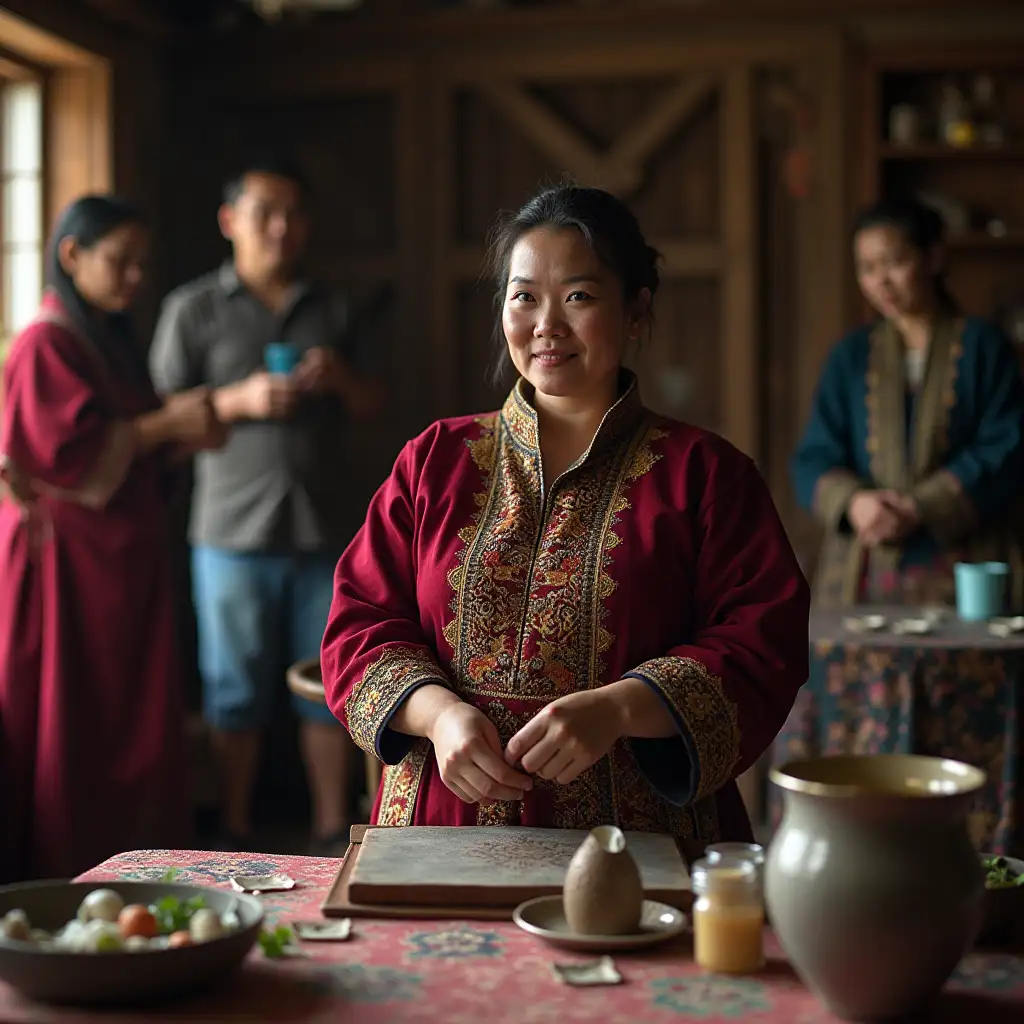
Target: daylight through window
x: 21, y: 177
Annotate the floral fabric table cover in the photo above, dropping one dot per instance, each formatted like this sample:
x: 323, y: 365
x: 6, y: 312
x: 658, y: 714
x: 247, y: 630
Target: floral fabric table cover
x: 956, y: 693
x: 461, y: 972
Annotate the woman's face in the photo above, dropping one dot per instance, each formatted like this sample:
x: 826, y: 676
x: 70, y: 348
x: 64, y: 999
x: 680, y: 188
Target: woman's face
x: 565, y: 318
x: 108, y: 275
x: 895, y: 277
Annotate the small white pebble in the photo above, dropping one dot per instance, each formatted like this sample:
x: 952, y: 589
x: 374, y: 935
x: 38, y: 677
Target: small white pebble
x: 100, y: 905
x: 16, y: 925
x: 205, y: 925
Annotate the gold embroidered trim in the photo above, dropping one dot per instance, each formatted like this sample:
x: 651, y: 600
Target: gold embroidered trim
x: 508, y: 723
x: 885, y: 386
x: 383, y: 687
x: 542, y: 595
x: 832, y: 495
x: 708, y: 716
x: 520, y: 417
x: 402, y: 784
x: 528, y: 612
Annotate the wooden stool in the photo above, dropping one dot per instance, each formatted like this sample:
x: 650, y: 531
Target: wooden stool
x: 306, y: 681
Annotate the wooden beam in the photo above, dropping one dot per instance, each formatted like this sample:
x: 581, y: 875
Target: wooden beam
x: 622, y: 168
x: 14, y: 70
x: 25, y: 39
x: 767, y: 20
x: 79, y: 135
x: 650, y: 133
x: 740, y: 379
x: 551, y: 134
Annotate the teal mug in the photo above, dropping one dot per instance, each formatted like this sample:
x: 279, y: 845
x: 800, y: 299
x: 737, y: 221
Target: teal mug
x: 980, y: 589
x: 281, y: 357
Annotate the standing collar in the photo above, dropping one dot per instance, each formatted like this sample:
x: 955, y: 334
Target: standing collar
x: 520, y: 416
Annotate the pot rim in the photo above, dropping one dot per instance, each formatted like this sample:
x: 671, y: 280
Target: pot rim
x: 971, y: 778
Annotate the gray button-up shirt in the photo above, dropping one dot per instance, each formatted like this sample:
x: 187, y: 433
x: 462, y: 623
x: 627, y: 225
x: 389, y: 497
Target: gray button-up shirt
x: 275, y: 486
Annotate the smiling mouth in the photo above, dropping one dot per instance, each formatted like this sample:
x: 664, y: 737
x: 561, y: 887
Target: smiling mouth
x: 553, y: 358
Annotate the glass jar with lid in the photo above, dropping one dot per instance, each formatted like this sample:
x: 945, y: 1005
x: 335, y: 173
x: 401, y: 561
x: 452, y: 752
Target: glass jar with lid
x: 728, y: 915
x: 744, y: 851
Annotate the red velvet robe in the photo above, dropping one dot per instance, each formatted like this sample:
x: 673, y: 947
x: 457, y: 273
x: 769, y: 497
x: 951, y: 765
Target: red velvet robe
x: 91, y: 715
x: 659, y: 555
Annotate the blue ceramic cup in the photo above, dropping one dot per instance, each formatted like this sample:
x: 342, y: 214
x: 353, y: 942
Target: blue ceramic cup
x: 281, y: 357
x: 980, y: 589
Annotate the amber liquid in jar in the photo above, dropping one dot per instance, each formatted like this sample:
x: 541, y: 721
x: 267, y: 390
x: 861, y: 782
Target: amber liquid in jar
x: 728, y: 916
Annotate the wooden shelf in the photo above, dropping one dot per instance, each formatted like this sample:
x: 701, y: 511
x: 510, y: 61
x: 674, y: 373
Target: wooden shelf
x: 940, y: 151
x: 980, y: 240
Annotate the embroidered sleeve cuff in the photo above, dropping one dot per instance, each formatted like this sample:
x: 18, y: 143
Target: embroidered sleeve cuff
x: 832, y: 495
x: 945, y: 510
x: 708, y: 730
x: 376, y: 697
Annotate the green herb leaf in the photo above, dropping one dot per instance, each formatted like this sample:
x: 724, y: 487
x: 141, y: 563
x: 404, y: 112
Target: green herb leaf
x: 173, y: 915
x: 274, y: 943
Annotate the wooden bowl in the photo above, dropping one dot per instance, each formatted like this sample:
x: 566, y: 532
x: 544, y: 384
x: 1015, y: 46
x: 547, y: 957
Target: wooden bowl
x: 119, y: 978
x: 306, y: 680
x: 1004, y: 908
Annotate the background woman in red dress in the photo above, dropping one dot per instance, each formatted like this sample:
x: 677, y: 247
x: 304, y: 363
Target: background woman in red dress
x: 91, y: 717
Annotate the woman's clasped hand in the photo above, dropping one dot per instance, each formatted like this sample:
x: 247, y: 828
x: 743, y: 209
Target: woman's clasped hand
x: 558, y: 744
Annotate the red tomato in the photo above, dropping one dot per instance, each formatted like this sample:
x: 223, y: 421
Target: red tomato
x: 179, y: 939
x: 136, y: 919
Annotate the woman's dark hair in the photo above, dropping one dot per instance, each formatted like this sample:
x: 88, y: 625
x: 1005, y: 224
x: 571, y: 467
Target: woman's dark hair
x: 921, y: 225
x: 88, y: 221
x: 608, y: 227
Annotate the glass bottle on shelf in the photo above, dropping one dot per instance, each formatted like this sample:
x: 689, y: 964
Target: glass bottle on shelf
x: 904, y: 125
x: 983, y: 94
x: 954, y: 116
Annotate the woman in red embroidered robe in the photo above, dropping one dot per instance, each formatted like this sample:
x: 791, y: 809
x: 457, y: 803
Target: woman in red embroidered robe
x: 91, y: 718
x: 570, y: 612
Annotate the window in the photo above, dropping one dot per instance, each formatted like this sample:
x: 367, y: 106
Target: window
x: 55, y: 145
x: 21, y: 212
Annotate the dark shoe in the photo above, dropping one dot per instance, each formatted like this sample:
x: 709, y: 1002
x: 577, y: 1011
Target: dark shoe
x: 332, y: 846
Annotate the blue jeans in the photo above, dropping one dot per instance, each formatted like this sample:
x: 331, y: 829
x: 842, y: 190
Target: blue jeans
x: 256, y: 615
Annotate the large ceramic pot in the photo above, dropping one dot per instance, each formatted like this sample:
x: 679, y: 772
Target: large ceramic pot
x: 873, y: 887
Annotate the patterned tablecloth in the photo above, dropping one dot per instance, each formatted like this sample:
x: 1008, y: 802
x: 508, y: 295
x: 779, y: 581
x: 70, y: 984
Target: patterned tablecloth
x: 470, y: 972
x: 954, y: 693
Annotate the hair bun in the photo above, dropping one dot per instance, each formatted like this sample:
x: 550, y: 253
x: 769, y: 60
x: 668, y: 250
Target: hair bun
x: 654, y: 257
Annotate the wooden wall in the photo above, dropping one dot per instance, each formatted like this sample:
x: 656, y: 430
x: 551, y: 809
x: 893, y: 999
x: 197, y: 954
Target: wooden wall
x: 415, y: 141
x: 730, y: 128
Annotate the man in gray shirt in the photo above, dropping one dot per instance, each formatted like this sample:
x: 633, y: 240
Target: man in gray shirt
x: 271, y: 511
